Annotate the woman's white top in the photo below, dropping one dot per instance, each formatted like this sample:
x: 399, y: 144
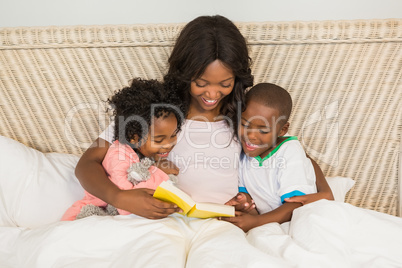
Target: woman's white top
x: 208, y: 159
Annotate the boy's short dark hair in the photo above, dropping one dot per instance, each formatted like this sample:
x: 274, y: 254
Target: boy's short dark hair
x: 273, y: 96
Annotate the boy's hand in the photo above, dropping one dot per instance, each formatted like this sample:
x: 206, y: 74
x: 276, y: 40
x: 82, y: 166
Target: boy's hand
x: 243, y: 202
x: 244, y: 221
x: 167, y: 166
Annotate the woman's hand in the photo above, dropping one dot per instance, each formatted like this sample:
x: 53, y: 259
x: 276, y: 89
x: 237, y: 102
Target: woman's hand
x: 141, y: 202
x: 309, y: 198
x: 244, y: 203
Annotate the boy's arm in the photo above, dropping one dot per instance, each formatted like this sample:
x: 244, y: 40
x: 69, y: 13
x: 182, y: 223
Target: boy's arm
x: 323, y: 189
x: 247, y: 221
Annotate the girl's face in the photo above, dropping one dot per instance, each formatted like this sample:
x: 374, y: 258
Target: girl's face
x: 211, y: 87
x: 161, y: 139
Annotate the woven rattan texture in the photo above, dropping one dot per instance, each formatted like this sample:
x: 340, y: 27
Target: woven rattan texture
x: 345, y: 78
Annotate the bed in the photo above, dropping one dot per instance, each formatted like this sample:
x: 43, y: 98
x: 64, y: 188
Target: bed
x: 345, y: 78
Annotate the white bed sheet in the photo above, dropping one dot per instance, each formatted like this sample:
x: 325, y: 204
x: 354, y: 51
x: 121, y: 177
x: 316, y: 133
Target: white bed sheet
x: 131, y: 241
x: 33, y: 198
x: 322, y: 234
x: 333, y: 234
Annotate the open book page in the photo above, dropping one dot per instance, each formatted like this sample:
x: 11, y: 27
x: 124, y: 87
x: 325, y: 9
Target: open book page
x: 209, y: 210
x: 166, y: 191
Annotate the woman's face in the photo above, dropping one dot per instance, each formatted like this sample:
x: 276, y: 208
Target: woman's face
x: 208, y: 90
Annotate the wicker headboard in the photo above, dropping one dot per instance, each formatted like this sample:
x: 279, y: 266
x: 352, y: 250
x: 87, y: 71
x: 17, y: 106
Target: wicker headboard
x: 345, y: 78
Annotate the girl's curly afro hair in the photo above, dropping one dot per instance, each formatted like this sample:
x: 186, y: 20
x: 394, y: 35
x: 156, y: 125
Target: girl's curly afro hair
x: 135, y: 106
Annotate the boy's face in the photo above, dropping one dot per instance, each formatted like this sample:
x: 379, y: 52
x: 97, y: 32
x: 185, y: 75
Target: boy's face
x: 259, y: 129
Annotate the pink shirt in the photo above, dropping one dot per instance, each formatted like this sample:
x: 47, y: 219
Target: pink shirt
x: 118, y: 159
x: 208, y: 159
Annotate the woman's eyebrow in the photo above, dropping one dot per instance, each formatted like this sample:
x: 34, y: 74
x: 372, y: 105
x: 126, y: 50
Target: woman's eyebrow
x: 159, y: 136
x: 220, y: 81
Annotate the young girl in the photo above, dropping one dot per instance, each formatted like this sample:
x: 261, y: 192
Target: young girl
x: 147, y: 120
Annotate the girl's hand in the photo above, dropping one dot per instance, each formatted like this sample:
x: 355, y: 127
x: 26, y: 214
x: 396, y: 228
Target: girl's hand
x: 309, y: 198
x: 167, y: 166
x: 244, y: 221
x: 243, y: 202
x: 141, y: 202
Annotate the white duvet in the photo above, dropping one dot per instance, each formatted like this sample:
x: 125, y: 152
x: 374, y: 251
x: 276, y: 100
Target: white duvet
x: 321, y: 234
x: 36, y: 189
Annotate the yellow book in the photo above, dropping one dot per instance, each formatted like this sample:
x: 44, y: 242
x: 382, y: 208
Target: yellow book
x: 166, y: 191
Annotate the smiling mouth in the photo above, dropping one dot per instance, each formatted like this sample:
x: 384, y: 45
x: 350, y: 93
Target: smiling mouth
x: 209, y: 102
x: 163, y: 154
x: 250, y: 146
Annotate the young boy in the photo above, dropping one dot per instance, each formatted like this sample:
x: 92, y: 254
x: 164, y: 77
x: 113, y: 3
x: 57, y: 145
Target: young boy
x: 273, y: 167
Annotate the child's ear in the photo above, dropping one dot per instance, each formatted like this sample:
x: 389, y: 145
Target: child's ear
x: 135, y: 140
x: 284, y: 129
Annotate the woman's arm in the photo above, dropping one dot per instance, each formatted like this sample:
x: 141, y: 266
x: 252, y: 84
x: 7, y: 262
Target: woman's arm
x: 93, y: 178
x: 91, y: 174
x: 323, y: 189
x: 321, y: 182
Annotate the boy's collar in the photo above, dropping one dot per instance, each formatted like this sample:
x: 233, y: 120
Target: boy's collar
x: 287, y: 138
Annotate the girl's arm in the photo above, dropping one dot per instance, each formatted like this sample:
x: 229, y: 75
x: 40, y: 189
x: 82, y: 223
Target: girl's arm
x: 323, y: 189
x: 93, y: 178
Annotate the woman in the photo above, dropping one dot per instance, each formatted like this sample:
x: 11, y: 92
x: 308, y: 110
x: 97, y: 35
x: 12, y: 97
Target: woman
x: 210, y: 59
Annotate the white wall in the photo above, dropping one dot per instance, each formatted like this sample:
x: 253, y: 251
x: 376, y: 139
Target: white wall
x: 88, y: 12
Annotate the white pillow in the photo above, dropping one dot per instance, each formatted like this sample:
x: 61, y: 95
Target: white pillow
x: 340, y: 186
x: 35, y: 188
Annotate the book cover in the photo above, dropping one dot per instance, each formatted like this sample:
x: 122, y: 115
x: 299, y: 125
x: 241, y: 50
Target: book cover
x: 166, y: 191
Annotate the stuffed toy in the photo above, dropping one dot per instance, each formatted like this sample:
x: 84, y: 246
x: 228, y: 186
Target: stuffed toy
x: 136, y: 173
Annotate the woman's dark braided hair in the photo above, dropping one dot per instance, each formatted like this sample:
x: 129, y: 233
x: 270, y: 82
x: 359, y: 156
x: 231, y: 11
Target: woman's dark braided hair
x: 135, y: 106
x: 201, y: 42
